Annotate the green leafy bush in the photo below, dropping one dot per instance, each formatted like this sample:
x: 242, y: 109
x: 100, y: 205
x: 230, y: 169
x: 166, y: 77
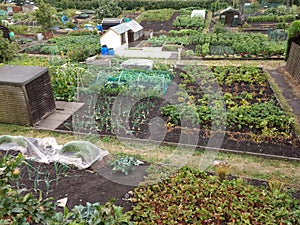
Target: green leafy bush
x: 64, y: 82
x: 82, y: 32
x: 13, y: 139
x: 19, y: 29
x: 172, y: 4
x: 96, y: 214
x: 77, y: 47
x: 8, y: 50
x: 293, y: 31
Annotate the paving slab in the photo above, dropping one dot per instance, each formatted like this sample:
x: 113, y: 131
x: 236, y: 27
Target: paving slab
x: 63, y: 111
x: 145, y: 52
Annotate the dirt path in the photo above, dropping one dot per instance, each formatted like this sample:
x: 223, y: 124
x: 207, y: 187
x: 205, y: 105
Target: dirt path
x: 287, y: 87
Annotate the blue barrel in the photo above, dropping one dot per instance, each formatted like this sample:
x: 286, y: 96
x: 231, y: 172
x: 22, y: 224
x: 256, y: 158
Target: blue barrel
x: 111, y: 51
x: 99, y: 27
x: 104, y: 50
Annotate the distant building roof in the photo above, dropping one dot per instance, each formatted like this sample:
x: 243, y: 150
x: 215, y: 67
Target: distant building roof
x: 229, y: 9
x: 198, y: 13
x: 112, y: 20
x: 121, y: 28
x: 134, y: 26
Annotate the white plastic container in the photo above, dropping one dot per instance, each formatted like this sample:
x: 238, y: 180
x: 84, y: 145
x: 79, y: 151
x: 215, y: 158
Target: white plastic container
x: 40, y: 36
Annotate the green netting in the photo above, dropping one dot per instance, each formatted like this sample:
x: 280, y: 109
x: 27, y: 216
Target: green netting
x: 156, y: 80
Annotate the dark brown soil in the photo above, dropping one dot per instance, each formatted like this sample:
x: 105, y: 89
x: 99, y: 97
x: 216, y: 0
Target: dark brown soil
x: 159, y: 27
x: 96, y: 184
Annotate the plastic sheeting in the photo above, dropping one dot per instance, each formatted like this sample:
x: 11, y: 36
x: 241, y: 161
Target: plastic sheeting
x: 82, y: 154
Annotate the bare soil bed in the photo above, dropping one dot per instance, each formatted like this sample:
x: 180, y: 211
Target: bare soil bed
x: 160, y: 27
x: 95, y: 184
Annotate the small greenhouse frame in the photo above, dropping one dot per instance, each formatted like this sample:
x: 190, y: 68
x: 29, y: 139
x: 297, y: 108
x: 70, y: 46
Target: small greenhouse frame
x: 156, y: 80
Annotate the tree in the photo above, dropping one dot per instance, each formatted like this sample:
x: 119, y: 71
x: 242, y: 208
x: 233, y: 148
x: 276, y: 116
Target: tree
x: 44, y: 14
x: 293, y: 31
x: 107, y: 8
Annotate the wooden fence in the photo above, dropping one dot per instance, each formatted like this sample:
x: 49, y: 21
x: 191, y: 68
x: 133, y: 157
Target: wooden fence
x: 293, y: 62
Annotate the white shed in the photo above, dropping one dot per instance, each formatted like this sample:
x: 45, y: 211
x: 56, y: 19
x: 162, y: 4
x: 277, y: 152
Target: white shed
x: 135, y: 32
x: 198, y: 13
x: 116, y: 36
x: 122, y: 34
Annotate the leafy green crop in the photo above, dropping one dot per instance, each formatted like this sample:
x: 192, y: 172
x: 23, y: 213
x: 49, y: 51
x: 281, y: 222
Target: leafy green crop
x: 124, y: 164
x: 18, y: 206
x: 245, y: 96
x: 188, y: 22
x: 192, y: 197
x: 77, y: 48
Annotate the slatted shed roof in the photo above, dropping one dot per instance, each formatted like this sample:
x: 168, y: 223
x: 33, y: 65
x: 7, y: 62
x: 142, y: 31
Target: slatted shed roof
x: 121, y: 28
x: 134, y: 26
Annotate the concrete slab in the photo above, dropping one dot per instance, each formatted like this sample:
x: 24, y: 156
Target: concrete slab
x: 144, y: 52
x: 63, y: 111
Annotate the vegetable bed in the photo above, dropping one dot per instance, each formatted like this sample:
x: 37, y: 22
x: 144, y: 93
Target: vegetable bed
x: 245, y: 109
x: 76, y: 47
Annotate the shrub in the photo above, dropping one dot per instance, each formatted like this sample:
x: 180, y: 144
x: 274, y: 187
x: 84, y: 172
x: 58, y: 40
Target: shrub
x: 19, y: 29
x: 64, y: 82
x: 8, y: 50
x: 293, y: 31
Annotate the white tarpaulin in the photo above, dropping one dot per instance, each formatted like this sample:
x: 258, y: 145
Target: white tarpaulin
x: 82, y: 154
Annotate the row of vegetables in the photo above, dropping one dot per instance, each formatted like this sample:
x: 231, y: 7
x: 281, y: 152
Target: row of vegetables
x: 250, y: 105
x: 225, y: 43
x: 238, y: 98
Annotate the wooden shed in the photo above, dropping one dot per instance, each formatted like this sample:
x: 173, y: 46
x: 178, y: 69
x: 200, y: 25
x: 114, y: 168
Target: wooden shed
x: 110, y: 22
x: 26, y: 95
x: 230, y: 17
x: 292, y: 64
